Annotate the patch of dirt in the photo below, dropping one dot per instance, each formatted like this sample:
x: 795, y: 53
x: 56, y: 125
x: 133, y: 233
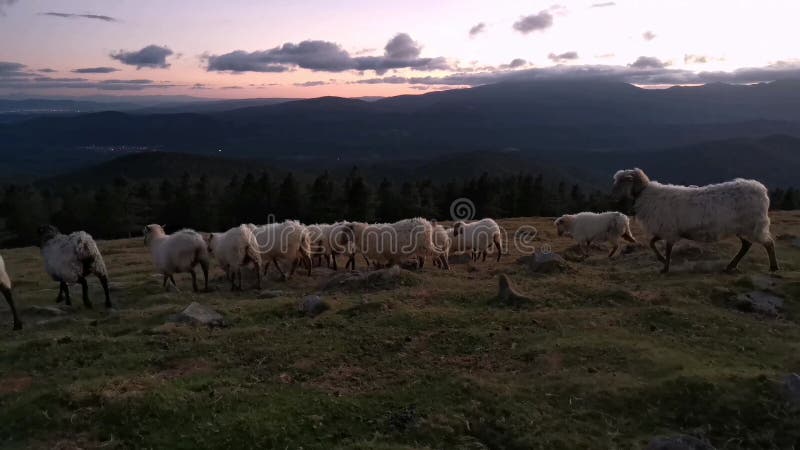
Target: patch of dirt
x: 185, y: 368
x: 15, y: 384
x: 122, y: 388
x: 348, y: 380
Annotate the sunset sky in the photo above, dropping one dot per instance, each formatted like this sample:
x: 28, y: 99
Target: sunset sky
x: 308, y: 48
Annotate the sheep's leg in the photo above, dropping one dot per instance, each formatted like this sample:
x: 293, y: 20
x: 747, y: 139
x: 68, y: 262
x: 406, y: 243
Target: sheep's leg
x: 614, y: 248
x: 85, y: 293
x: 655, y: 249
x: 484, y: 256
x: 445, y: 263
x: 366, y: 260
x: 104, y: 283
x: 307, y: 259
x: 742, y: 251
x: 773, y: 260
x: 194, y: 279
x: 172, y: 279
x: 498, y: 247
x: 420, y: 262
x: 239, y: 273
x: 65, y: 288
x: 333, y: 261
x: 164, y: 284
x: 10, y: 300
x: 204, y: 267
x: 266, y: 266
x: 258, y: 276
x: 278, y: 266
x: 667, y: 256
x: 60, y: 297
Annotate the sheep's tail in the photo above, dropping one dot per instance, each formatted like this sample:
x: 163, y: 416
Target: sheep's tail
x: 627, y: 235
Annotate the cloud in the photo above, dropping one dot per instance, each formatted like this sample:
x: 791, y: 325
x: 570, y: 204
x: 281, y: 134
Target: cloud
x: 477, y: 29
x: 231, y: 87
x: 648, y: 35
x: 47, y: 70
x: 517, y: 62
x: 5, y: 4
x: 11, y: 69
x: 311, y: 83
x: 322, y: 56
x: 95, y: 70
x: 151, y: 56
x: 648, y: 62
x: 534, y: 22
x: 37, y: 83
x: 79, y: 16
x: 695, y: 59
x: 566, y: 56
x: 199, y: 86
x: 602, y: 5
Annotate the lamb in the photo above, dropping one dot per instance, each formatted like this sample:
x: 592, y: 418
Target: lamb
x: 5, y: 287
x: 70, y: 259
x: 288, y: 241
x: 588, y: 227
x: 233, y: 249
x: 708, y: 213
x: 441, y: 247
x: 392, y: 243
x: 477, y: 237
x: 178, y: 252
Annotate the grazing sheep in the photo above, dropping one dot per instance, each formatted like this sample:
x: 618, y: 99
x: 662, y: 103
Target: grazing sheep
x: 70, y: 259
x: 233, y: 249
x: 392, y: 243
x: 477, y: 237
x: 708, y: 213
x: 588, y: 227
x: 441, y: 247
x: 288, y: 241
x: 5, y: 287
x: 328, y: 241
x: 178, y: 252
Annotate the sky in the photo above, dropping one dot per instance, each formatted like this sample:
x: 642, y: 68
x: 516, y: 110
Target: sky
x: 355, y: 48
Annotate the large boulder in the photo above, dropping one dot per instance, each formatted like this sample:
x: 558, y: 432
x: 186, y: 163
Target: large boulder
x: 197, y: 314
x: 509, y: 295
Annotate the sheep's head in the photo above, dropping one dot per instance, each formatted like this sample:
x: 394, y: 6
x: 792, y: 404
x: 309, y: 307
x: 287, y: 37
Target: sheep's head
x: 152, y: 230
x: 342, y: 236
x: 47, y: 232
x: 629, y: 183
x: 458, y: 228
x: 563, y: 225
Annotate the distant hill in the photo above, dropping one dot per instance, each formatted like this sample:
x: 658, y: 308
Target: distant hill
x: 545, y: 119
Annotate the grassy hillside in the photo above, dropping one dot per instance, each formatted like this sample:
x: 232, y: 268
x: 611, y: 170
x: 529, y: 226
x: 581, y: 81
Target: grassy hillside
x: 608, y: 355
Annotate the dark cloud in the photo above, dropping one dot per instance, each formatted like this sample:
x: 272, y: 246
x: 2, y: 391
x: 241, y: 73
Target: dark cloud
x: 477, y: 29
x: 95, y: 70
x: 37, y: 83
x: 695, y: 59
x: 603, y: 5
x: 311, y: 83
x: 566, y: 56
x: 231, y: 87
x: 648, y: 35
x: 514, y: 64
x: 199, y: 86
x: 47, y: 70
x: 79, y: 16
x: 11, y: 69
x: 151, y: 56
x: 534, y: 22
x: 323, y: 56
x: 648, y: 62
x: 5, y: 4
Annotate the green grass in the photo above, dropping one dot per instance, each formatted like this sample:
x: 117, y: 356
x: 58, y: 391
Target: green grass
x: 608, y: 356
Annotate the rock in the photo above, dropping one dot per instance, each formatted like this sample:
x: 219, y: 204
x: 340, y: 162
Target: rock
x: 791, y: 387
x: 371, y: 280
x: 679, y: 443
x: 197, y: 314
x: 765, y: 282
x: 796, y: 243
x: 49, y: 311
x: 759, y: 302
x: 271, y: 293
x: 312, y: 305
x: 508, y: 293
x: 544, y: 263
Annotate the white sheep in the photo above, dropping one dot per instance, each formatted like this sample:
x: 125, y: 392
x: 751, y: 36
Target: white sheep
x: 233, y: 249
x: 441, y: 247
x: 5, y: 287
x: 284, y: 242
x: 178, y: 252
x: 392, y: 243
x: 708, y: 213
x: 588, y: 227
x: 477, y: 237
x: 328, y: 241
x: 70, y: 259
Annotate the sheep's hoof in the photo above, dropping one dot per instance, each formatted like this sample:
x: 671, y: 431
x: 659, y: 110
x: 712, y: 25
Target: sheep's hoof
x: 774, y: 268
x: 731, y: 270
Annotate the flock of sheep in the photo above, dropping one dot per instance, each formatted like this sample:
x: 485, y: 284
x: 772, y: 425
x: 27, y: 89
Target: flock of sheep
x: 666, y: 212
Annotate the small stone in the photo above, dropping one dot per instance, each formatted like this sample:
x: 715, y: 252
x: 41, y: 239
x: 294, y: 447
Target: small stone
x: 765, y: 282
x: 791, y: 385
x: 312, y: 305
x: 508, y: 293
x: 759, y: 302
x: 545, y: 263
x: 197, y: 314
x: 679, y: 443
